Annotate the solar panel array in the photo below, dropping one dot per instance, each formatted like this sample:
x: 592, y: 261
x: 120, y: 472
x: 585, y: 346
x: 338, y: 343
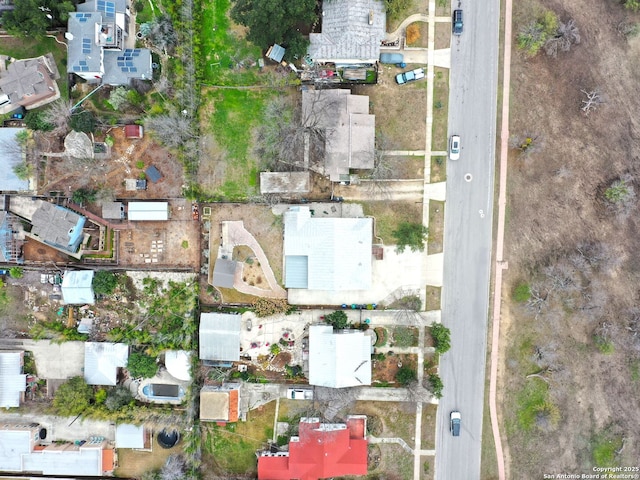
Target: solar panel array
x: 86, y: 45
x: 108, y: 8
x: 81, y: 67
x: 82, y: 17
x: 125, y: 62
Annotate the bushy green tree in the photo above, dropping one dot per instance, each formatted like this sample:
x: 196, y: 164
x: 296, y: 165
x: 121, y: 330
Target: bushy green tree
x: 83, y: 195
x: 337, y: 319
x: 142, y: 365
x: 117, y: 398
x: 31, y: 17
x: 436, y: 385
x: 405, y: 375
x: 35, y: 120
x: 104, y: 282
x: 72, y: 397
x: 412, y: 235
x: 83, y: 121
x: 16, y: 272
x: 276, y: 21
x: 441, y: 337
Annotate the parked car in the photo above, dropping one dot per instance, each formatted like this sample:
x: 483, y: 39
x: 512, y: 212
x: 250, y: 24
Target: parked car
x: 455, y: 419
x: 454, y: 147
x: 457, y: 22
x: 299, y: 394
x: 393, y: 58
x: 410, y: 76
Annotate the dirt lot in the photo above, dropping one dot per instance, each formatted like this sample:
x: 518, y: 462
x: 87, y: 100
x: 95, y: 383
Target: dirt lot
x: 132, y: 463
x: 575, y: 252
x: 402, y: 128
x: 129, y: 158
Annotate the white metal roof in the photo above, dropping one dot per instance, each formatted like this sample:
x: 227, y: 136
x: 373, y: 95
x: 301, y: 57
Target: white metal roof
x: 337, y: 251
x: 102, y: 360
x: 338, y: 360
x: 220, y: 336
x: 77, y: 287
x: 12, y: 382
x: 129, y: 436
x: 148, y: 211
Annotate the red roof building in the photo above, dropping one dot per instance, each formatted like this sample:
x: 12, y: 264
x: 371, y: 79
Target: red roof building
x: 321, y: 450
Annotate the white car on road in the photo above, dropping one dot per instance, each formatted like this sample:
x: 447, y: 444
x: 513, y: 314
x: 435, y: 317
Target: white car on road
x: 454, y: 147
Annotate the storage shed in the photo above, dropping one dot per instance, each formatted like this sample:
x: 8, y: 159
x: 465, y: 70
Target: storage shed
x: 133, y: 131
x: 148, y: 211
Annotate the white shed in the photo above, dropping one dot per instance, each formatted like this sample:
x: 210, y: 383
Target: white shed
x: 148, y: 211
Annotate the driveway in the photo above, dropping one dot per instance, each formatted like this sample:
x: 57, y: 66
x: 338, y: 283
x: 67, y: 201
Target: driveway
x: 64, y: 428
x: 53, y: 361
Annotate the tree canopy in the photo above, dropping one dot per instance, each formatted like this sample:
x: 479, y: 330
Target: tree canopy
x: 337, y: 319
x: 104, y: 282
x: 72, y: 397
x: 141, y: 365
x: 275, y: 21
x: 31, y: 17
x: 410, y: 235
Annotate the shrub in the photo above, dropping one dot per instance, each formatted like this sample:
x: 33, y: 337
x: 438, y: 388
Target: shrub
x: 436, y: 385
x: 72, y: 397
x: 16, y: 272
x: 604, y: 345
x: 405, y: 375
x: 441, y: 338
x: 532, y: 36
x: 521, y: 293
x: 35, y: 120
x: 275, y: 349
x: 412, y: 235
x: 413, y: 33
x: 83, y: 121
x: 404, y: 337
x: 264, y: 307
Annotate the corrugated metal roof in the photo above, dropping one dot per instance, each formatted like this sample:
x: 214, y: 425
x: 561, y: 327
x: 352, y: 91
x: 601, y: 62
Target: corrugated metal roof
x: 338, y: 250
x: 148, y: 211
x: 14, y: 445
x: 220, y: 336
x: 129, y: 436
x: 102, y: 360
x: 12, y: 382
x: 338, y: 360
x: 297, y: 271
x: 84, y: 461
x: 77, y: 287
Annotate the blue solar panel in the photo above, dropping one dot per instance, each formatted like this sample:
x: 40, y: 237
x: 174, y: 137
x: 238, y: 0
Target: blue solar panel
x: 76, y: 68
x: 125, y: 69
x: 86, y: 50
x: 121, y: 64
x: 136, y: 54
x: 82, y: 20
x: 86, y: 41
x: 85, y: 69
x: 82, y: 62
x: 121, y: 59
x: 128, y: 51
x: 133, y: 69
x: 128, y: 64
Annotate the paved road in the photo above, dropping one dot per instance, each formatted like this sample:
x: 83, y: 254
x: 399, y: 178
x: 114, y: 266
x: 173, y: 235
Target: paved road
x: 468, y: 239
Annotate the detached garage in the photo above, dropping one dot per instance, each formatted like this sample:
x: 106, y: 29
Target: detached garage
x: 148, y: 211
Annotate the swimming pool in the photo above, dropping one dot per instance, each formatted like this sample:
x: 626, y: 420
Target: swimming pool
x: 163, y: 391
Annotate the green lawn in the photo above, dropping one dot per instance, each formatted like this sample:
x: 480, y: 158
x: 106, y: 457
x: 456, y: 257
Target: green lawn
x: 440, y: 108
x: 235, y: 114
x: 224, y: 48
x: 21, y: 48
x: 388, y: 216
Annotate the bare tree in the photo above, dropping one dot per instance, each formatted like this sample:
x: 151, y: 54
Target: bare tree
x: 58, y: 114
x: 173, y: 128
x: 566, y: 35
x: 174, y: 468
x: 591, y: 102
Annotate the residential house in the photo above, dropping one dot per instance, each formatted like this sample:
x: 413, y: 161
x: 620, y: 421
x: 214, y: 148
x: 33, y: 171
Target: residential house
x: 349, y: 130
x: 220, y: 404
x: 352, y: 31
x: 28, y: 83
x: 102, y: 362
x: 13, y: 382
x: 320, y: 450
x: 101, y: 44
x: 220, y: 337
x: 21, y: 451
x: 77, y: 287
x: 326, y: 253
x: 57, y: 227
x: 339, y: 359
x: 11, y: 155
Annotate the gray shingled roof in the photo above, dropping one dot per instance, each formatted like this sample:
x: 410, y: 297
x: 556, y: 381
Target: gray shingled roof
x: 121, y: 67
x: 31, y: 81
x: 337, y: 251
x: 84, y: 54
x: 350, y: 129
x: 347, y: 36
x: 220, y: 337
